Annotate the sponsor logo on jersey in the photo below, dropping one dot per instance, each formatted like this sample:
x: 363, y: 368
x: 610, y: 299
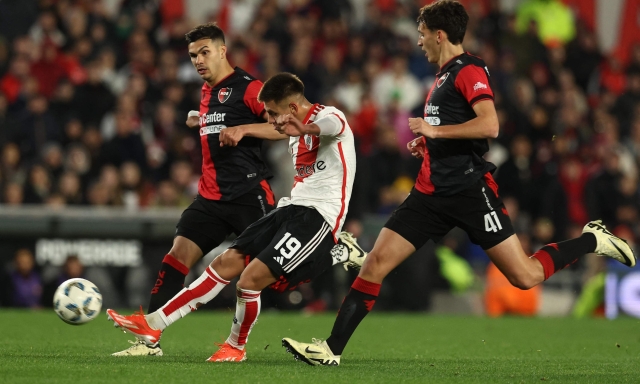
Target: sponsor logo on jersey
x: 223, y: 94
x: 432, y: 120
x: 479, y: 85
x: 212, y: 118
x: 459, y: 61
x: 211, y: 129
x: 431, y: 109
x: 310, y: 169
x: 442, y: 79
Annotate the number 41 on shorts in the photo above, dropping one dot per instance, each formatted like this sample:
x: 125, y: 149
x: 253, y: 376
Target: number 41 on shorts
x: 491, y: 222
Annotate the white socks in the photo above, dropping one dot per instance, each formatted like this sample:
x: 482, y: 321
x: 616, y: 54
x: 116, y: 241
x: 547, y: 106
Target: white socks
x: 247, y: 311
x: 201, y: 291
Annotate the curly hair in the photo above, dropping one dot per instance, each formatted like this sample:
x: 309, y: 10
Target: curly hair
x: 446, y: 15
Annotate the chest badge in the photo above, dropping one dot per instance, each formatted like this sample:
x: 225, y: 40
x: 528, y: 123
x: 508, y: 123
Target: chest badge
x: 223, y: 94
x: 442, y: 79
x: 308, y: 140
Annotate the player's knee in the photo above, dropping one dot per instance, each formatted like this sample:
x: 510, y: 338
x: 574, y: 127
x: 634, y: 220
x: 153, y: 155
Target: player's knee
x: 522, y: 281
x: 248, y: 282
x: 373, y: 266
x: 183, y: 255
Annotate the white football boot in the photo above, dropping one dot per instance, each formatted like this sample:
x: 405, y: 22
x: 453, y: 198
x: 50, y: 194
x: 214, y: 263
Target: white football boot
x: 140, y: 348
x: 316, y: 353
x: 610, y: 245
x: 356, y: 253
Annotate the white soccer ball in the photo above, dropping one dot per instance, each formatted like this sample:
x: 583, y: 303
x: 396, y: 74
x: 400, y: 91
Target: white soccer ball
x: 77, y: 301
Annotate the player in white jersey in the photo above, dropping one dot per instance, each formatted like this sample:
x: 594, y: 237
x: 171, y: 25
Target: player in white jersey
x: 291, y: 245
x: 325, y: 164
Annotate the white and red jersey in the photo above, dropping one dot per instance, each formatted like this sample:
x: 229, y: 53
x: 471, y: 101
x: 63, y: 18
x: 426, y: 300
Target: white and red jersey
x: 325, y: 166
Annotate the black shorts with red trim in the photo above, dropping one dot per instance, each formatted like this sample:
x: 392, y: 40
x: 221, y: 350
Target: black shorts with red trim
x: 295, y: 242
x: 209, y: 222
x: 478, y: 210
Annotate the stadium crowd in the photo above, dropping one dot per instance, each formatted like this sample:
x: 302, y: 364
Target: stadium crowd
x: 93, y: 104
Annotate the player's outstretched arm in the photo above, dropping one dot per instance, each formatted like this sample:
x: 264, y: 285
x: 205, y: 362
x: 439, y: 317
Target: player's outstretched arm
x: 484, y: 126
x: 291, y: 126
x: 232, y: 135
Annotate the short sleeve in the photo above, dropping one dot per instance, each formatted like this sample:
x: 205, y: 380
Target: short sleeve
x: 330, y: 125
x: 473, y: 83
x: 251, y: 98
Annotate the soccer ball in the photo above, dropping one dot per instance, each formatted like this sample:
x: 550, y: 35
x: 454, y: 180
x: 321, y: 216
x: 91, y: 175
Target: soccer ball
x: 77, y: 301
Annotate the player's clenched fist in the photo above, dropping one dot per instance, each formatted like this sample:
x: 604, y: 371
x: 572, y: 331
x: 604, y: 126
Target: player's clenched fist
x: 289, y: 125
x: 420, y: 127
x: 231, y: 136
x: 417, y: 147
x: 193, y: 119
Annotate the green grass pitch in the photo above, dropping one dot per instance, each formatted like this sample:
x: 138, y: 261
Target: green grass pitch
x: 36, y: 347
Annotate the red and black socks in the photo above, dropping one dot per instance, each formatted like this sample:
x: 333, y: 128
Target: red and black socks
x: 169, y: 282
x: 356, y: 305
x: 556, y: 256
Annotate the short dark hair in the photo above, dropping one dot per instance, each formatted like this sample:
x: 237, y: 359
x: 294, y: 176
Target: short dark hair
x: 447, y: 15
x: 205, y: 31
x: 280, y: 87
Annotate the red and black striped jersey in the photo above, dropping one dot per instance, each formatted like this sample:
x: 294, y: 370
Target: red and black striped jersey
x: 452, y: 165
x: 229, y: 172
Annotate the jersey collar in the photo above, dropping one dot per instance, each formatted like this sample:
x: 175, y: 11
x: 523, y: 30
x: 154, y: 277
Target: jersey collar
x: 312, y: 112
x: 449, y: 63
x: 235, y: 69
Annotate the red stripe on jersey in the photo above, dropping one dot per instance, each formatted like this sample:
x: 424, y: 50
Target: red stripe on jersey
x: 472, y: 82
x: 342, y: 121
x: 271, y: 200
x: 344, y: 190
x: 306, y: 157
x: 423, y: 182
x: 307, y: 149
x: 251, y: 98
x: 488, y: 178
x: 207, y: 186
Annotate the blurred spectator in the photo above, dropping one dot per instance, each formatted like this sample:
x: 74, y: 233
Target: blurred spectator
x: 26, y: 286
x: 70, y: 188
x: 38, y: 185
x: 397, y: 84
x: 126, y: 145
x: 34, y: 127
x: 13, y: 194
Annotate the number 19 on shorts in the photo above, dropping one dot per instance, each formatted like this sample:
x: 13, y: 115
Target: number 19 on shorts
x: 291, y: 246
x: 491, y: 222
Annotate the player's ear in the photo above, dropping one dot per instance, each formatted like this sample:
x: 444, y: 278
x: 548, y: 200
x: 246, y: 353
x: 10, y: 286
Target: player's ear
x: 293, y: 107
x: 223, y: 51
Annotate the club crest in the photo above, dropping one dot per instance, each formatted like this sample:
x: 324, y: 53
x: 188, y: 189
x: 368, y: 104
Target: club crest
x: 223, y: 94
x: 308, y: 140
x: 442, y: 79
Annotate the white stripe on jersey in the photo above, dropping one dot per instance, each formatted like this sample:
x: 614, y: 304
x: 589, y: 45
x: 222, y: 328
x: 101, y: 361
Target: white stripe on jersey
x: 325, y: 168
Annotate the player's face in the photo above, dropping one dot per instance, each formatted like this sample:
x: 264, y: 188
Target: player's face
x: 207, y: 56
x: 279, y: 109
x: 427, y: 40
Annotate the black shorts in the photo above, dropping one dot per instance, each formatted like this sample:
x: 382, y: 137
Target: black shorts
x: 208, y: 222
x: 478, y: 210
x: 295, y: 242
